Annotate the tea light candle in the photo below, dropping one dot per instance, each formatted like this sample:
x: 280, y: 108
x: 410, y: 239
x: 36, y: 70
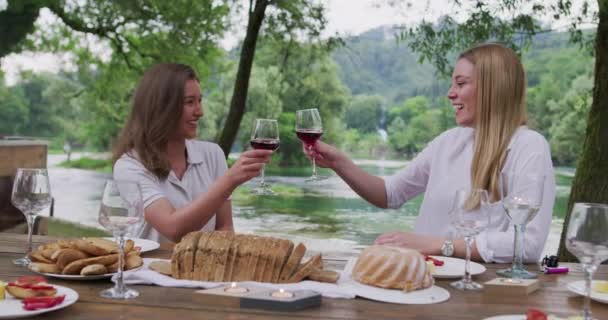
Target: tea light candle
x: 282, y: 294
x: 233, y: 288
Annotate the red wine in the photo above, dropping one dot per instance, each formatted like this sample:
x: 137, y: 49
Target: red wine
x: 309, y: 136
x: 265, y: 144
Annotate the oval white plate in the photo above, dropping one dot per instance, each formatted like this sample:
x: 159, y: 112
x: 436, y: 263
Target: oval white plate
x: 145, y: 244
x: 508, y: 317
x: 454, y: 268
x: 430, y: 295
x: 578, y: 287
x: 11, y: 308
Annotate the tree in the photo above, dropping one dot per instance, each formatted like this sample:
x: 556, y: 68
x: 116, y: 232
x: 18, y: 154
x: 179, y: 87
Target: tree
x: 364, y: 113
x: 485, y: 22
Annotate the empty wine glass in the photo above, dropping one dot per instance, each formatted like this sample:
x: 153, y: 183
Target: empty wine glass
x: 121, y: 210
x: 309, y: 129
x: 470, y: 217
x: 265, y: 135
x: 587, y: 239
x: 31, y: 193
x: 522, y: 196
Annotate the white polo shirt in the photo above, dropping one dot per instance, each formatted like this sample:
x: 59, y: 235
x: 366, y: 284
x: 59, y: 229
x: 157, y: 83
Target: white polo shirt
x: 444, y: 166
x: 206, y: 163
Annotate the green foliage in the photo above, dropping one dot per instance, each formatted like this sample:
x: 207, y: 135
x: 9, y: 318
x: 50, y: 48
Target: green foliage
x: 364, y: 113
x: 104, y: 165
x: 66, y: 229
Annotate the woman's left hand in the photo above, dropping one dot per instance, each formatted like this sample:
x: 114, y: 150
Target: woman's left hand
x: 428, y: 245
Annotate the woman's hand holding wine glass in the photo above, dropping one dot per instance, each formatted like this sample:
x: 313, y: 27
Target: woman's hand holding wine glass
x: 309, y: 129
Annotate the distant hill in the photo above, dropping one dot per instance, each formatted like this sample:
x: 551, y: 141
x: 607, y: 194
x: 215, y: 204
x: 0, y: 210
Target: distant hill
x: 374, y: 62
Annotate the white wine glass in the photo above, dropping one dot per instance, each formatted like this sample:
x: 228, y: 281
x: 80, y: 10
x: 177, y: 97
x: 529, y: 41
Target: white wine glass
x: 121, y: 211
x: 309, y: 128
x: 587, y: 239
x: 265, y: 135
x: 31, y: 193
x: 522, y: 197
x: 469, y: 217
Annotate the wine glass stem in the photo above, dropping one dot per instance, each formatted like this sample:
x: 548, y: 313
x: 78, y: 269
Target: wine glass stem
x: 518, y: 250
x: 262, y: 182
x: 314, y: 164
x: 589, y: 269
x: 467, y: 275
x: 31, y: 219
x: 121, y: 261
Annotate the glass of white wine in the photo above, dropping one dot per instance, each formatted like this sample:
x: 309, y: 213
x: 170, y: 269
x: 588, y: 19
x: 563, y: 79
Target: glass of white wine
x: 469, y: 217
x: 31, y: 193
x: 587, y: 239
x: 120, y: 211
x: 522, y: 197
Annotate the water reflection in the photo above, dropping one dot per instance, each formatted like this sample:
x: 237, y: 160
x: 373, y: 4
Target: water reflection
x: 326, y: 216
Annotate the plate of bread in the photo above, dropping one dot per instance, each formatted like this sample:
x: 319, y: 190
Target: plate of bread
x: 83, y: 259
x: 222, y: 256
x: 33, y: 295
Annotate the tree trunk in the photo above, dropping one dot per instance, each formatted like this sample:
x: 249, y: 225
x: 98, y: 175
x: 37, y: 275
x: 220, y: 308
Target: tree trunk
x: 591, y: 180
x: 241, y: 84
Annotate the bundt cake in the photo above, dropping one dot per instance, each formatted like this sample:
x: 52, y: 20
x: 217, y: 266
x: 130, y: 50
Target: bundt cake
x: 392, y: 268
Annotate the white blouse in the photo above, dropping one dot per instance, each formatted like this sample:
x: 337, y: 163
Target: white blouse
x: 444, y: 166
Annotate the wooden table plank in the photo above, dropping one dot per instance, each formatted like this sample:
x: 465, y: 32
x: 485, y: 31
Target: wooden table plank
x: 174, y: 303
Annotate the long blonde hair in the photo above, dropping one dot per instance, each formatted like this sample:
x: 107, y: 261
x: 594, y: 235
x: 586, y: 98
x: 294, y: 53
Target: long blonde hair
x: 501, y: 109
x: 158, y: 104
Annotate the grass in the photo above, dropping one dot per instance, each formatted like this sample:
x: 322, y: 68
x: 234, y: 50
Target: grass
x: 103, y: 165
x: 62, y: 228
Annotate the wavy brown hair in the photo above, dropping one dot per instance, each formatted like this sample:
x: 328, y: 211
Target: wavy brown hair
x: 158, y: 104
x: 501, y: 109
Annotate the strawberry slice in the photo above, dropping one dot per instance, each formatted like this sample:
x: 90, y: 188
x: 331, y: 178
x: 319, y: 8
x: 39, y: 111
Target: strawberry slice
x: 31, y: 280
x: 436, y: 262
x: 35, y: 303
x: 535, y: 314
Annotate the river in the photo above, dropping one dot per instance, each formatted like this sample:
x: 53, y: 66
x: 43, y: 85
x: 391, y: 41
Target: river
x: 327, y: 216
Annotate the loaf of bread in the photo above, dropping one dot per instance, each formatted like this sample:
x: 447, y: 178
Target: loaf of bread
x: 392, y: 268
x: 225, y: 256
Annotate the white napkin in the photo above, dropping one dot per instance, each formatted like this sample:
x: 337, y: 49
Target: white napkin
x: 144, y: 275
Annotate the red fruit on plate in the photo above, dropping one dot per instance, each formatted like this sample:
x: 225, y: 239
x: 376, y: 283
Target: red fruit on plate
x: 31, y: 280
x: 534, y: 314
x: 35, y: 303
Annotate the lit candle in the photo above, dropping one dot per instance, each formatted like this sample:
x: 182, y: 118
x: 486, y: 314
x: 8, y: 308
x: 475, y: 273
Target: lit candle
x: 282, y: 294
x: 233, y: 288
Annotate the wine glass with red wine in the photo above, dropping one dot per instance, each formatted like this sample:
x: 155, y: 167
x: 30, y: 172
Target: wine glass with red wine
x: 309, y: 129
x: 265, y: 135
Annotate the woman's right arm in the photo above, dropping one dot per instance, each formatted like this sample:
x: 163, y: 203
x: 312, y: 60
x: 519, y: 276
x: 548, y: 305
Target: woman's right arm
x: 174, y: 223
x: 369, y: 187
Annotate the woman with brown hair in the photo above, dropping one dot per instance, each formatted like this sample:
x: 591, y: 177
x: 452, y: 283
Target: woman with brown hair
x: 488, y: 96
x: 185, y: 183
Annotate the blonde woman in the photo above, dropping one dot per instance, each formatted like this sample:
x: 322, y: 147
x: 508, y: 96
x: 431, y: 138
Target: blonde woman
x: 186, y: 184
x: 488, y: 98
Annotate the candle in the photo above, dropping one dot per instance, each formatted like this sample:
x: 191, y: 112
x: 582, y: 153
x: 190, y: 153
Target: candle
x: 233, y: 288
x: 282, y: 294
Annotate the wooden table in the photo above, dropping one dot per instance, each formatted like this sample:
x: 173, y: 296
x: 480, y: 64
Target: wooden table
x: 176, y: 303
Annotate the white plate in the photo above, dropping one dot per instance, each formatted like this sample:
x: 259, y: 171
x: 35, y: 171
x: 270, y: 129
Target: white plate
x: 508, y: 317
x: 578, y: 287
x: 434, y: 294
x: 453, y: 268
x: 11, y: 308
x: 145, y: 244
